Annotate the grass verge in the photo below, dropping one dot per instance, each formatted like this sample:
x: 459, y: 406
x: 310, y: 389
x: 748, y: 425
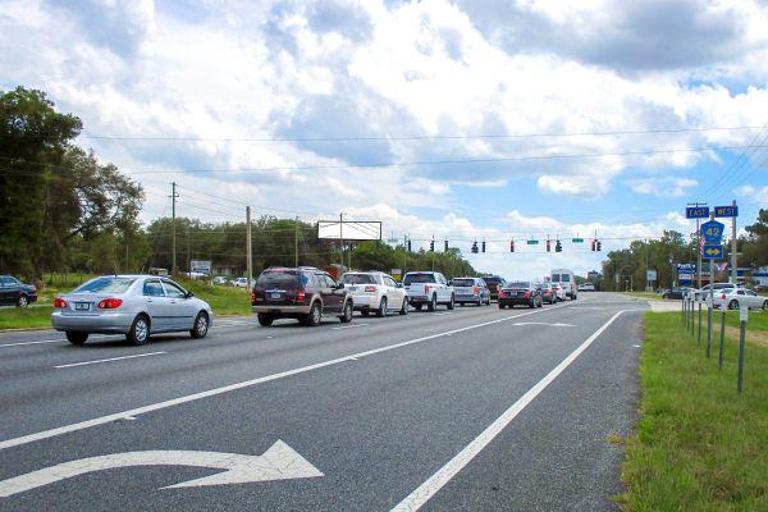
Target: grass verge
x: 644, y: 295
x: 26, y: 318
x: 699, y: 445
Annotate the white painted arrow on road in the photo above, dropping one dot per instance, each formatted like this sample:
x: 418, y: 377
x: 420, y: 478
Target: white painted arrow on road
x: 543, y: 323
x: 280, y: 462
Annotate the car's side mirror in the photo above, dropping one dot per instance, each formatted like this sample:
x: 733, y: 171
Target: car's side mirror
x: 190, y: 295
x: 398, y: 285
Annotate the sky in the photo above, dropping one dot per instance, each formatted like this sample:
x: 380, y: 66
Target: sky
x: 464, y: 120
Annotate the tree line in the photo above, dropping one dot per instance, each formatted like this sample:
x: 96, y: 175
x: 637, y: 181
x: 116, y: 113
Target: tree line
x: 63, y: 210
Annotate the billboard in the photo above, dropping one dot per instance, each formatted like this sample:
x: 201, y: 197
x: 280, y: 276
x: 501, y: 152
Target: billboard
x: 349, y: 230
x: 686, y: 274
x: 200, y: 267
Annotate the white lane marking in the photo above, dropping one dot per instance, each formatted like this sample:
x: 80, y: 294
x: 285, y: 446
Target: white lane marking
x: 635, y: 346
x: 101, y: 420
x: 433, y: 484
x: 353, y: 326
x: 279, y: 462
x: 442, y: 314
x: 109, y: 360
x: 37, y: 342
x: 520, y: 324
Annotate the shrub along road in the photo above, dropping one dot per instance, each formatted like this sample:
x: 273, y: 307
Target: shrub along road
x: 474, y: 409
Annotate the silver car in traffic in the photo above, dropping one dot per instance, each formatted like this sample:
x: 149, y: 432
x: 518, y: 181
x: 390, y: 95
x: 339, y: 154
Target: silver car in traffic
x: 134, y: 305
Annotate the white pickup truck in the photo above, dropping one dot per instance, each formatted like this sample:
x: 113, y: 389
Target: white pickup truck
x: 428, y: 289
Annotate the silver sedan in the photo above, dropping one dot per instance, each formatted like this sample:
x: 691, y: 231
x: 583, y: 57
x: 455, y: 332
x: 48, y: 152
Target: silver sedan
x: 134, y: 305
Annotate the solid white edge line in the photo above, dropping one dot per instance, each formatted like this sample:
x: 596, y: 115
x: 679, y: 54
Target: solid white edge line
x: 442, y: 476
x: 73, y: 427
x: 37, y: 342
x: 108, y: 360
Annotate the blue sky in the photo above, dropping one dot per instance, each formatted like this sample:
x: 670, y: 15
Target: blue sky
x: 296, y: 105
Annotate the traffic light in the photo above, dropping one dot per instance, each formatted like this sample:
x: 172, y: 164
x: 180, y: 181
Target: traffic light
x: 409, y: 246
x: 593, y: 245
x: 432, y: 246
x: 446, y: 246
x: 483, y: 245
x: 558, y: 246
x: 599, y: 246
x: 549, y: 248
x: 474, y: 248
x: 511, y: 246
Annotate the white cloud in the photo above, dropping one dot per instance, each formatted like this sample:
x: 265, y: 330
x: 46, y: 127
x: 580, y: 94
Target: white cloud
x: 663, y: 187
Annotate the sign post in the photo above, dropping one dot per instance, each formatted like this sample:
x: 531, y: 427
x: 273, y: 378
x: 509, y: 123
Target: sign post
x: 731, y: 211
x: 712, y: 233
x: 743, y: 316
x: 697, y: 211
x: 722, y: 338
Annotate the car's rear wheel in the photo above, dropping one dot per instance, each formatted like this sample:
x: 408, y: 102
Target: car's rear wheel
x: 77, y: 338
x: 265, y: 319
x: 364, y: 312
x: 139, y: 333
x: 315, y: 315
x: 432, y: 303
x: 734, y: 304
x: 200, y: 329
x: 382, y: 311
x: 404, y: 307
x: 22, y: 301
x: 418, y: 307
x: 346, y: 313
x: 452, y: 304
x: 765, y: 305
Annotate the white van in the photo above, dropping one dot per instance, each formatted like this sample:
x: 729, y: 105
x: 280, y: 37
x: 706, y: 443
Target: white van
x: 566, y: 279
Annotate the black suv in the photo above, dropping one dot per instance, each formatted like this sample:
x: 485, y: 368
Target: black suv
x: 14, y: 292
x: 495, y: 283
x: 304, y: 293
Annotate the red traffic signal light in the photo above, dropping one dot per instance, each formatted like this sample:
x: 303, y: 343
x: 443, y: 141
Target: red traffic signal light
x: 511, y: 246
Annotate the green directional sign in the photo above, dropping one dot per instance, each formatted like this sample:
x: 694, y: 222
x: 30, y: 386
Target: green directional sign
x: 532, y: 242
x: 577, y: 240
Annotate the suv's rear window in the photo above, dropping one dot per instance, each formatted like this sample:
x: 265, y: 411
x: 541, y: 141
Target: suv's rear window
x: 463, y: 283
x: 358, y: 279
x: 555, y: 278
x: 419, y: 278
x: 519, y: 284
x: 277, y: 278
x: 492, y: 280
x: 106, y: 285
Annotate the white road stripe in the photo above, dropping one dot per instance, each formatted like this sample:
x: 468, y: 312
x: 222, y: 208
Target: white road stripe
x: 37, y: 342
x: 353, y: 326
x: 437, y: 481
x: 109, y: 360
x: 74, y: 427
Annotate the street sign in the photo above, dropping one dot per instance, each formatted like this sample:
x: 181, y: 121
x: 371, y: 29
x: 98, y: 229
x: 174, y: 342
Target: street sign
x: 712, y: 252
x: 577, y: 240
x: 712, y: 232
x: 650, y: 275
x: 686, y: 273
x: 200, y: 267
x: 697, y: 212
x: 726, y: 211
x: 532, y: 242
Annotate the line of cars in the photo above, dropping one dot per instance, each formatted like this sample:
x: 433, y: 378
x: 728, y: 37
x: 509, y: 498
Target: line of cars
x: 723, y: 296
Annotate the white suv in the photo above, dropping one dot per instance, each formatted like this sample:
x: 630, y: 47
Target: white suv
x: 428, y: 289
x: 375, y: 291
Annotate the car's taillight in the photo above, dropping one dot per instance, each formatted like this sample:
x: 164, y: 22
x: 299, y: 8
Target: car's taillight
x: 59, y: 303
x: 722, y: 296
x: 253, y: 297
x: 370, y: 289
x: 110, y: 303
x: 300, y: 296
x: 527, y: 294
x: 477, y: 290
x: 427, y: 289
x: 502, y: 294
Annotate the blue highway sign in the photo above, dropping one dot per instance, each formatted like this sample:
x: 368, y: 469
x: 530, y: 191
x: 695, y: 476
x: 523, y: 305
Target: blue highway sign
x: 712, y: 252
x: 697, y: 212
x: 712, y: 232
x: 726, y: 211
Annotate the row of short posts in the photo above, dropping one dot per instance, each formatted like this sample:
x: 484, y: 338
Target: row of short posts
x: 689, y: 313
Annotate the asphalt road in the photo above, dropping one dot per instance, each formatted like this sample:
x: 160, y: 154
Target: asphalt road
x: 474, y: 409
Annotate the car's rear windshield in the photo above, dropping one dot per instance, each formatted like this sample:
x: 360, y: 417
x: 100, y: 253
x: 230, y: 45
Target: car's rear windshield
x: 419, y: 278
x: 358, y: 279
x: 519, y: 284
x: 277, y: 278
x: 492, y: 280
x: 464, y: 282
x: 106, y: 285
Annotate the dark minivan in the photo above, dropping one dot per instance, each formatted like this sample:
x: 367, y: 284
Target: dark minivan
x: 304, y: 293
x: 14, y: 292
x: 495, y: 283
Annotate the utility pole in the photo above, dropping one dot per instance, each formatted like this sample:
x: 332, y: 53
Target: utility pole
x: 405, y: 256
x: 296, y: 243
x: 341, y: 241
x: 248, y: 249
x: 698, y: 244
x: 734, y: 272
x: 174, y: 196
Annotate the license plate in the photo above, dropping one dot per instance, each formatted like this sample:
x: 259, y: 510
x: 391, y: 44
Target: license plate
x: 275, y: 295
x: 82, y: 306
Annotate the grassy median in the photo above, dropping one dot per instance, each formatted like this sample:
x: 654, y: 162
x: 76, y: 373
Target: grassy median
x: 698, y: 445
x: 224, y: 300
